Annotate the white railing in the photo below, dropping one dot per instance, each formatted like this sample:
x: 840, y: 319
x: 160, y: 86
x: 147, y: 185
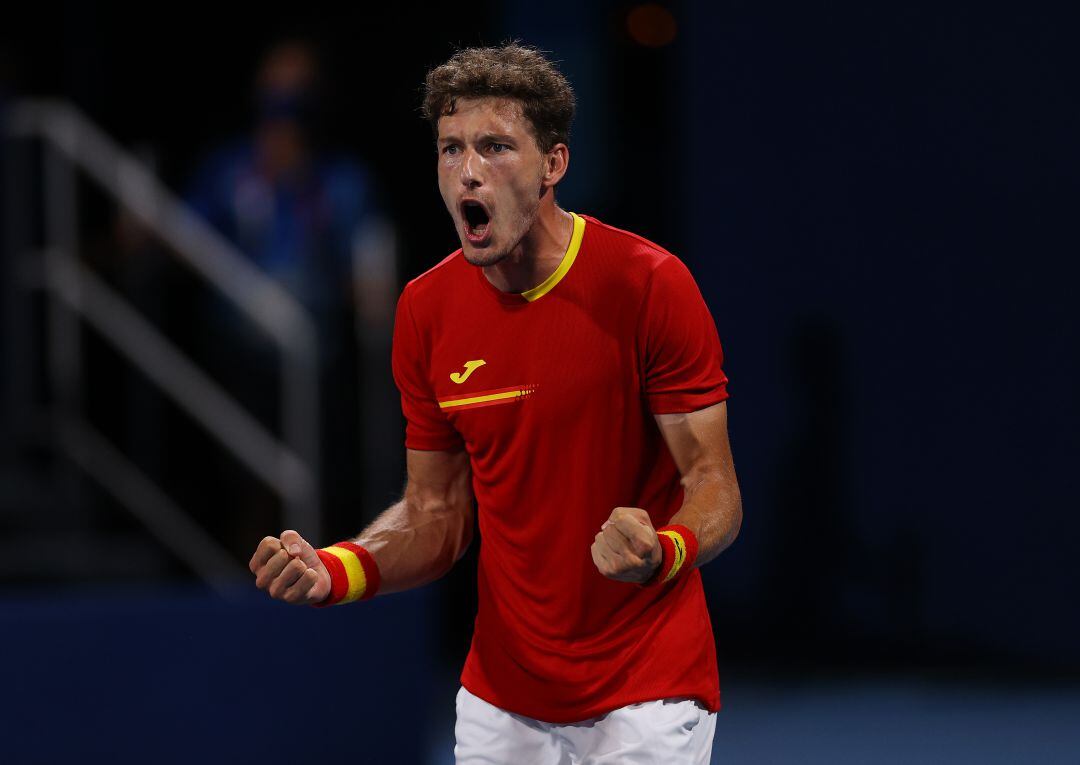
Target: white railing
x: 290, y: 465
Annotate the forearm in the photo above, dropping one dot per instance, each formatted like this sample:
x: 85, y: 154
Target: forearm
x: 414, y: 543
x: 712, y: 510
x: 712, y: 504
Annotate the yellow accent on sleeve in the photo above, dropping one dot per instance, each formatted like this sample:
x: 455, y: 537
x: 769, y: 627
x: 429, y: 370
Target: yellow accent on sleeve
x: 355, y: 571
x: 680, y: 552
x: 564, y: 267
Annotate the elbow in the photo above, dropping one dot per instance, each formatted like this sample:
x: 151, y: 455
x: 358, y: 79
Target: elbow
x: 463, y: 537
x: 729, y: 514
x: 459, y: 514
x: 727, y: 511
x: 454, y: 536
x: 735, y: 522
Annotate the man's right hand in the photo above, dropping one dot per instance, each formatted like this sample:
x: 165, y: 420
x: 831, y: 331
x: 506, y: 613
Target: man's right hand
x: 289, y: 569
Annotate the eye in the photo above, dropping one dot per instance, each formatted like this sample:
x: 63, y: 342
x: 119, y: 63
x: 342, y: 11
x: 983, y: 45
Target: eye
x: 499, y: 148
x: 450, y: 149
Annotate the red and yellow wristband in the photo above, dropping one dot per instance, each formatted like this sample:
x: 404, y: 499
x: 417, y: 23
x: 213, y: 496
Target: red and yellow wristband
x: 353, y: 573
x: 680, y: 549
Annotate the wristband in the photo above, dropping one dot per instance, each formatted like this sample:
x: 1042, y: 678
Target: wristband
x: 353, y: 573
x: 680, y: 549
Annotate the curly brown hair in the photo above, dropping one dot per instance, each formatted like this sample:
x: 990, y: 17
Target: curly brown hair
x: 514, y: 71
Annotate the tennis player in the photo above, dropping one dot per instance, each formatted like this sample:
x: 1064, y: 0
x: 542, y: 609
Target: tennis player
x: 561, y: 379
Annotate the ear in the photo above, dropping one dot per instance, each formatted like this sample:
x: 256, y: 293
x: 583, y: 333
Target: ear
x: 556, y: 163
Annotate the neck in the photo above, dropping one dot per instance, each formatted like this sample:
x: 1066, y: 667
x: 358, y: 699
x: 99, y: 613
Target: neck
x: 537, y: 255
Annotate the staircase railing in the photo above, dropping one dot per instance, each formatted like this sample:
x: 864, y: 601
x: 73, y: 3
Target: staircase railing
x: 289, y: 465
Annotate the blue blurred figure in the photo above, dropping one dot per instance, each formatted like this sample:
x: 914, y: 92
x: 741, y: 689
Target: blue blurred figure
x: 296, y: 212
x: 308, y: 218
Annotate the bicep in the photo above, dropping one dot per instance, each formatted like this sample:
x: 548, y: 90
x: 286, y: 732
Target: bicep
x: 698, y: 441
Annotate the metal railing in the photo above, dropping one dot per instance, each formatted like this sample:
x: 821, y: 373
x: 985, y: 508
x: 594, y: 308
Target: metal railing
x: 289, y: 465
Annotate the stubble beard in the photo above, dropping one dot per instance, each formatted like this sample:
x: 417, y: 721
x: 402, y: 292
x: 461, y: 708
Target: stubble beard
x: 483, y: 258
x: 487, y: 257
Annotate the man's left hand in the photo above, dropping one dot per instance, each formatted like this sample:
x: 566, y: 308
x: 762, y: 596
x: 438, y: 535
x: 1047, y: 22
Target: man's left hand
x: 627, y: 549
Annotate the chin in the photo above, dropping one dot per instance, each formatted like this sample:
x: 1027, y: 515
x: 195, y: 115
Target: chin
x: 485, y: 257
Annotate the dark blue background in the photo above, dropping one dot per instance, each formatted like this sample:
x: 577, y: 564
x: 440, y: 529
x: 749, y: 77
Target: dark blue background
x: 175, y: 676
x: 881, y: 206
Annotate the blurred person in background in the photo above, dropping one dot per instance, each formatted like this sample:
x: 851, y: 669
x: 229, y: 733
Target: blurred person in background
x: 309, y: 219
x: 562, y: 381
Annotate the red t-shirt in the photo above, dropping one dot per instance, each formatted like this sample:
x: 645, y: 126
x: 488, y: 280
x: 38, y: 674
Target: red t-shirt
x: 552, y: 392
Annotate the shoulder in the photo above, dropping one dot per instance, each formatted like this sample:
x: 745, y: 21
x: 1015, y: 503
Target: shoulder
x: 633, y: 257
x: 442, y: 274
x: 432, y: 287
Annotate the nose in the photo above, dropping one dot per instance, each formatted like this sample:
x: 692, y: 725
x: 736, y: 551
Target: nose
x: 471, y: 171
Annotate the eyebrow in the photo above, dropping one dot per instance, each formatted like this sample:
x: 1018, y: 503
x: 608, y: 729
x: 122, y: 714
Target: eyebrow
x: 486, y: 137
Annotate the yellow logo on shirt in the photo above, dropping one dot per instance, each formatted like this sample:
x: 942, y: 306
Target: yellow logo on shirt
x: 470, y: 367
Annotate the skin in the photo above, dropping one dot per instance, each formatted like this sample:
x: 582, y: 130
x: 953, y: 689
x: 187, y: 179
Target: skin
x: 413, y: 542
x: 487, y: 152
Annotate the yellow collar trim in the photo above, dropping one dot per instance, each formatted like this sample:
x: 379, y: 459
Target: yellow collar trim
x: 564, y: 267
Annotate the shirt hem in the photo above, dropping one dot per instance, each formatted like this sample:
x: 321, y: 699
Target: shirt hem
x: 681, y: 403
x: 433, y: 445
x: 711, y: 703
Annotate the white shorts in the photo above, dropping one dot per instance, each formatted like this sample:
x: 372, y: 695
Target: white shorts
x: 668, y: 732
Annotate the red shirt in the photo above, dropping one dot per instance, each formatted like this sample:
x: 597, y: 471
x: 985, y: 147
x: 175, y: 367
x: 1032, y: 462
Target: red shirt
x: 553, y: 392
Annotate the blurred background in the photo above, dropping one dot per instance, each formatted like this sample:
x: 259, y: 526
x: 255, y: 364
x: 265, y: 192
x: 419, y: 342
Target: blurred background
x: 207, y: 212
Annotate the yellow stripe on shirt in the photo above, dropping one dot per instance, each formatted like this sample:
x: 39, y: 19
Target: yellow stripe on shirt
x: 481, y: 399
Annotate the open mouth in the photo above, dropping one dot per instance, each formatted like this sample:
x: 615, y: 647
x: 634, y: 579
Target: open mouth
x: 477, y: 221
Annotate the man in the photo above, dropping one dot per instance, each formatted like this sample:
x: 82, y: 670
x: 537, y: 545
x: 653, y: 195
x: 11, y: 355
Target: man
x: 567, y: 376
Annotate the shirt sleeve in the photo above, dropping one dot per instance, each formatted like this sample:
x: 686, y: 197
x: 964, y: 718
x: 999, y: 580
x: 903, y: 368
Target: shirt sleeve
x: 426, y: 427
x: 679, y: 348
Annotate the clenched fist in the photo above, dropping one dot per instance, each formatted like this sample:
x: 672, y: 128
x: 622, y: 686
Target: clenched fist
x: 289, y: 569
x: 627, y: 549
